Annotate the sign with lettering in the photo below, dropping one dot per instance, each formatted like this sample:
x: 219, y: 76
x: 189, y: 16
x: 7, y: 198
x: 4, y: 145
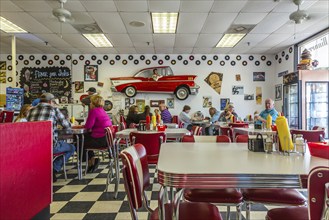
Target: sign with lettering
x: 56, y: 80
x: 237, y: 90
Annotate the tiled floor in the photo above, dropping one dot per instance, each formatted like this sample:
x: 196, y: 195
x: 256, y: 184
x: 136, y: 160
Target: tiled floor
x: 86, y: 199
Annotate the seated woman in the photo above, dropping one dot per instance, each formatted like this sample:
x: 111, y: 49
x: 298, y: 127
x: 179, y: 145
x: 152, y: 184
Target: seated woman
x: 228, y: 112
x: 185, y: 118
x: 132, y: 117
x: 23, y: 113
x: 147, y: 112
x: 96, y: 122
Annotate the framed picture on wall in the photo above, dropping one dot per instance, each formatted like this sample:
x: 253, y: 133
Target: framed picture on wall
x: 156, y: 103
x: 278, y: 92
x: 258, y: 76
x: 91, y: 73
x: 223, y: 103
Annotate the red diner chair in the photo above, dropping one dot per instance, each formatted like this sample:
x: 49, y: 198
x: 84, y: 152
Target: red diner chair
x: 318, y: 200
x: 226, y: 131
x: 225, y: 197
x: 175, y: 119
x: 238, y: 125
x: 188, y: 138
x: 223, y: 139
x: 196, y: 130
x: 241, y: 138
x: 137, y: 179
x: 309, y: 135
x: 6, y: 116
x: 151, y: 141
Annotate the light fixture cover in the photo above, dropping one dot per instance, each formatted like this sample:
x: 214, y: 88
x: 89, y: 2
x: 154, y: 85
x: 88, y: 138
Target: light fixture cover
x: 164, y: 23
x: 9, y: 27
x: 230, y: 40
x: 98, y: 40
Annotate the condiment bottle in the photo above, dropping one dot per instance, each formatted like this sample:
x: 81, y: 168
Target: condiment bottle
x: 268, y: 122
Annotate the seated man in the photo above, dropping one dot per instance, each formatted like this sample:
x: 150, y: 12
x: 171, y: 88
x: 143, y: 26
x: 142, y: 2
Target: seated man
x: 269, y: 110
x: 211, y: 130
x: 165, y: 114
x: 155, y: 75
x: 45, y: 111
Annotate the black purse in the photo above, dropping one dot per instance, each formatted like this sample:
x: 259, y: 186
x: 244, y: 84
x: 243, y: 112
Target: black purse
x: 256, y: 145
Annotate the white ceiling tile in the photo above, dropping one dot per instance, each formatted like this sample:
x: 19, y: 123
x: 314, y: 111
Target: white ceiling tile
x: 218, y: 22
x: 207, y: 40
x: 183, y: 50
x: 126, y: 50
x: 99, y: 6
x: 53, y: 40
x: 320, y: 6
x: 131, y: 6
x: 202, y: 50
x: 164, y: 6
x: 25, y: 21
x: 77, y: 40
x: 70, y: 5
x: 120, y: 40
x: 145, y: 50
x: 164, y: 40
x: 218, y: 50
x: 69, y: 50
x: 270, y: 23
x: 141, y: 40
x: 190, y: 23
x: 88, y: 50
x: 142, y: 17
x: 164, y: 50
x: 228, y: 6
x: 273, y: 40
x: 259, y: 6
x: 196, y: 6
x: 185, y: 40
x: 253, y: 39
x: 249, y: 18
x: 289, y: 6
x: 9, y: 6
x: 259, y: 50
x: 240, y: 50
x: 110, y: 23
x: 107, y: 50
x: 34, y: 6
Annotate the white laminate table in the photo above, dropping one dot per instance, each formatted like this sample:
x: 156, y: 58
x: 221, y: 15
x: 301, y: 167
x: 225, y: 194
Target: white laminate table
x: 230, y: 165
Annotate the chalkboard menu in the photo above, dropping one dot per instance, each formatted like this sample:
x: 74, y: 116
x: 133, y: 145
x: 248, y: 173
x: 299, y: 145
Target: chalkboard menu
x: 56, y: 80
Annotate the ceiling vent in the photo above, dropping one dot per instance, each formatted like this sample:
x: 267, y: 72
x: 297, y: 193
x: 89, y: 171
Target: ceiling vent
x: 240, y: 29
x: 88, y: 28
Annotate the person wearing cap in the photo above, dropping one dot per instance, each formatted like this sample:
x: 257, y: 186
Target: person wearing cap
x: 46, y: 111
x: 228, y: 113
x: 269, y: 110
x: 86, y: 101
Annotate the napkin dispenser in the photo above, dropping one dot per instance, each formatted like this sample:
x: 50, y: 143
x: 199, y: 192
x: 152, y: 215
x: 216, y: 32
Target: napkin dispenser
x: 256, y: 142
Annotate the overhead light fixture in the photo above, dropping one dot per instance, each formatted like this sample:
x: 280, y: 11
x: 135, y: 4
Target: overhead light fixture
x: 164, y: 23
x: 230, y: 40
x: 9, y: 27
x: 98, y: 40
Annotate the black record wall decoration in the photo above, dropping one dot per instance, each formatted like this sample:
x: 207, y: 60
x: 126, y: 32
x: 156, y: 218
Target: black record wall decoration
x: 44, y: 57
x: 93, y: 57
x: 180, y: 57
x: 173, y: 62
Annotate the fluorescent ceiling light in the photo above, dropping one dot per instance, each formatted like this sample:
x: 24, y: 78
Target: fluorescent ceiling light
x: 230, y: 40
x: 98, y: 40
x: 164, y: 23
x: 9, y: 27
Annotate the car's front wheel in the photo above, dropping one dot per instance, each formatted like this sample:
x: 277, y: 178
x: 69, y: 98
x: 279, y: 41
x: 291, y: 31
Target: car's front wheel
x: 182, y: 93
x: 130, y: 91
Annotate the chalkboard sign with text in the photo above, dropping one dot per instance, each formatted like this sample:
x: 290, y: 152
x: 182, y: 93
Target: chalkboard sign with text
x: 56, y: 80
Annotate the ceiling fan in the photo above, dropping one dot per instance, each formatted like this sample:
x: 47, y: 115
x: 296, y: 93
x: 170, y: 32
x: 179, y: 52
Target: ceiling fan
x: 300, y: 15
x: 63, y: 15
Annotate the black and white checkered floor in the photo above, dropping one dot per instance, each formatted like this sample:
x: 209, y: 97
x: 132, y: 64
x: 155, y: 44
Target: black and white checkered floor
x: 86, y: 199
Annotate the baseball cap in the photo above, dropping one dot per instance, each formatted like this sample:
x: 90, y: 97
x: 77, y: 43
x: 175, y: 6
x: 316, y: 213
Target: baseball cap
x: 45, y: 97
x: 91, y: 89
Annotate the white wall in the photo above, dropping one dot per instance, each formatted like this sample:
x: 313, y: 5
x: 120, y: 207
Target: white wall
x: 242, y: 107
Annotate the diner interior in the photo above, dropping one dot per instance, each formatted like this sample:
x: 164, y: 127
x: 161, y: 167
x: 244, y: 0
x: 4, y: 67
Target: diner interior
x: 178, y: 109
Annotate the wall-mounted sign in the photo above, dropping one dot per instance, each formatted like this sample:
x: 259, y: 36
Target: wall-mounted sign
x: 282, y: 73
x: 237, y: 90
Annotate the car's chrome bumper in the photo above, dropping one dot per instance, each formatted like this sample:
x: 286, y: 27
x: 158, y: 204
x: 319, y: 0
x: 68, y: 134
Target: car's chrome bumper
x: 194, y: 90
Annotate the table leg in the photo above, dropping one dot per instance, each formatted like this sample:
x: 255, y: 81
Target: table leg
x: 78, y: 156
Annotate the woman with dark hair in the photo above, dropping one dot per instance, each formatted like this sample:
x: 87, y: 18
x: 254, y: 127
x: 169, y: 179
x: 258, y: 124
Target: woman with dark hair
x: 132, y: 117
x: 147, y: 112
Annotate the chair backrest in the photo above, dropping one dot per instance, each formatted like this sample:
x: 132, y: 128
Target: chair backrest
x: 317, y: 179
x: 175, y: 119
x: 6, y: 116
x: 226, y: 131
x: 241, y: 138
x: 122, y: 126
x: 151, y: 141
x: 223, y: 139
x: 181, y: 124
x: 135, y: 174
x: 318, y: 128
x: 110, y: 132
x: 122, y: 118
x: 196, y: 130
x: 188, y: 138
x: 309, y: 135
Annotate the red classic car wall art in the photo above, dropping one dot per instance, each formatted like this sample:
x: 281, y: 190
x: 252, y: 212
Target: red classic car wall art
x: 156, y: 80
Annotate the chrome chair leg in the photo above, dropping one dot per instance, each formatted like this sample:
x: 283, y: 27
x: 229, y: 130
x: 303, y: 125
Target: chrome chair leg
x: 64, y: 167
x: 248, y: 206
x: 228, y: 212
x: 238, y: 212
